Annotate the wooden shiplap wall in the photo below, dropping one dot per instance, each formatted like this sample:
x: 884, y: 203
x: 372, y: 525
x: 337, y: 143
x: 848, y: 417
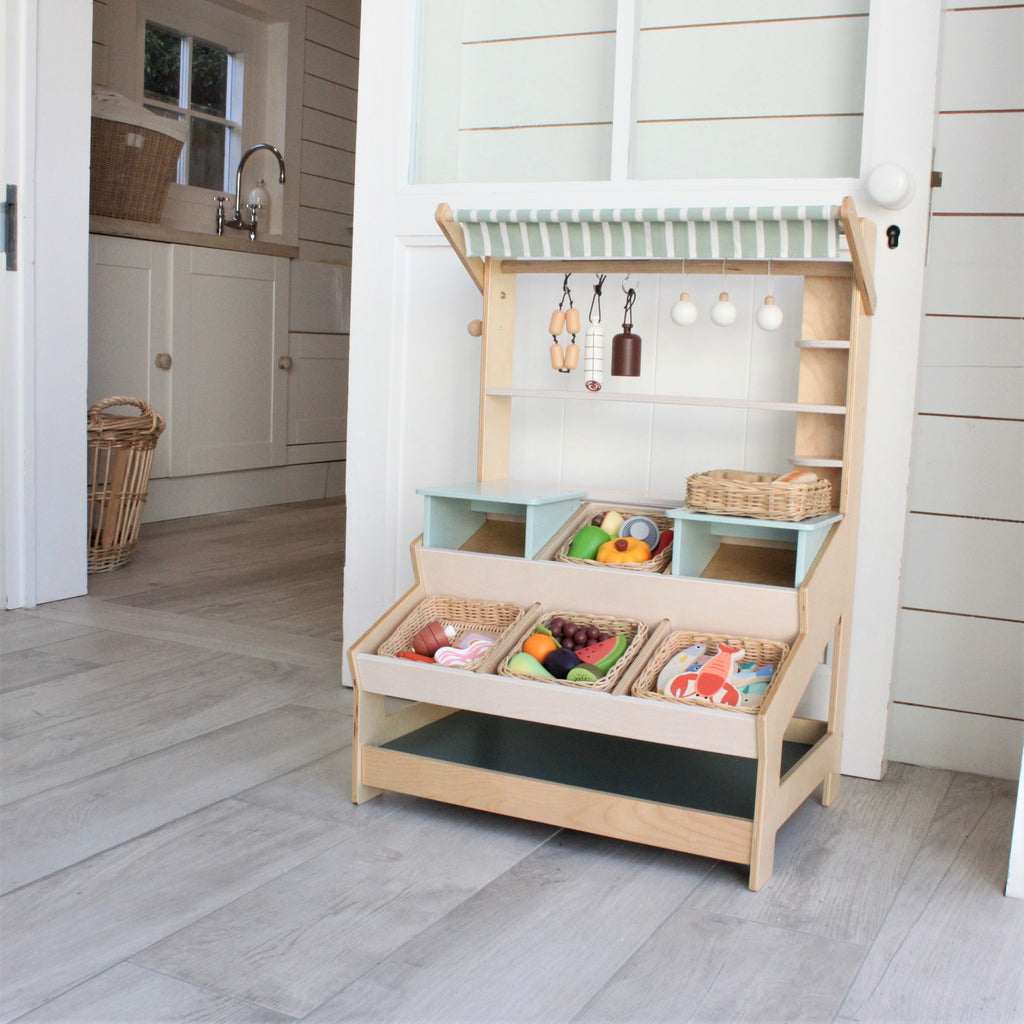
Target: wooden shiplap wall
x: 330, y: 80
x: 958, y: 681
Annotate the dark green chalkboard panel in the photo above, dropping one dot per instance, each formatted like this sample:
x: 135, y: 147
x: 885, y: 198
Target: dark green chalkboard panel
x: 704, y: 781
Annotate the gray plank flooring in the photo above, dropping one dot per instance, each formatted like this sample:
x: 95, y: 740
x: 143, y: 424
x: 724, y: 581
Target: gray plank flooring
x: 178, y: 843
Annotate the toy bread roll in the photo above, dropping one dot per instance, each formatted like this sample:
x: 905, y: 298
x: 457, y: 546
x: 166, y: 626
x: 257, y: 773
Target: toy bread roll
x: 798, y: 476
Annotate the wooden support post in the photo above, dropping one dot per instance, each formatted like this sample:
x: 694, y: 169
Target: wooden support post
x: 496, y: 362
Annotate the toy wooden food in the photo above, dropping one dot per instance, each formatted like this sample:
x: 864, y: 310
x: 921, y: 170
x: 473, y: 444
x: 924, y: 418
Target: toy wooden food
x: 624, y: 549
x: 677, y: 665
x: 643, y: 528
x: 431, y: 637
x: 798, y: 476
x: 611, y: 523
x: 455, y: 656
x: 587, y: 541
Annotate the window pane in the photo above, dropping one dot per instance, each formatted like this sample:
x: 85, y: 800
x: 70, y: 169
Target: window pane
x: 162, y: 74
x: 791, y: 105
x: 209, y: 79
x: 206, y: 154
x: 515, y: 91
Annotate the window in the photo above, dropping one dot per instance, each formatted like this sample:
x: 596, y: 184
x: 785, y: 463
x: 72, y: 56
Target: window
x: 199, y: 82
x: 639, y: 90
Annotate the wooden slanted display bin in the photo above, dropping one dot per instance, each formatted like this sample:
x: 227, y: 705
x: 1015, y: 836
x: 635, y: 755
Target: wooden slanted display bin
x: 681, y: 775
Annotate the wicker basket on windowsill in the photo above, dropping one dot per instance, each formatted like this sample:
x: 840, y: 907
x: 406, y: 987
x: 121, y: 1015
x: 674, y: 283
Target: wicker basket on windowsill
x: 133, y: 156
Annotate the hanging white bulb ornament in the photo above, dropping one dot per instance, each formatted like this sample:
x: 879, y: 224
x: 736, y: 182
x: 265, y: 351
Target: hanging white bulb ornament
x: 769, y: 316
x: 684, y: 312
x: 723, y: 312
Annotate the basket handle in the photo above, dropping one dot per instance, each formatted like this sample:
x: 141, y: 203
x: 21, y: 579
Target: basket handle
x: 145, y: 410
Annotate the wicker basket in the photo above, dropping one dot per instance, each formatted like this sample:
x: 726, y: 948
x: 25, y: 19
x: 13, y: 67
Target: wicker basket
x: 660, y: 563
x: 120, y: 458
x: 761, y: 652
x: 636, y: 631
x: 132, y: 169
x: 467, y: 615
x: 720, y: 493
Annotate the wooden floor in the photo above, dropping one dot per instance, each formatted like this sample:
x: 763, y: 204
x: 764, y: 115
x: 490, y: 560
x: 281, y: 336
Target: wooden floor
x: 179, y: 845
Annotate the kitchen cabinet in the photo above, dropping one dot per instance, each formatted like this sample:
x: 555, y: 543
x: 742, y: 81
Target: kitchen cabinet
x: 201, y: 334
x: 130, y: 328
x: 229, y: 340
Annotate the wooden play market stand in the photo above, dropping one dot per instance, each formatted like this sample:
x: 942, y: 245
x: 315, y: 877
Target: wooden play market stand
x: 701, y: 780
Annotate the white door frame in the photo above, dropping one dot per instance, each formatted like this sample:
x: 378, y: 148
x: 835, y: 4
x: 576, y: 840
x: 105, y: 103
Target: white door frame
x: 47, y: 46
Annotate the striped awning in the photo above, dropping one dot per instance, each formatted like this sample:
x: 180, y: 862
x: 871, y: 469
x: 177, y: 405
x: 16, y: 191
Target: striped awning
x: 715, y: 232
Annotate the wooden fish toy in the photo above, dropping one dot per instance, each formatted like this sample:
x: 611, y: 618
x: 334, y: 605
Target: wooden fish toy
x: 678, y: 664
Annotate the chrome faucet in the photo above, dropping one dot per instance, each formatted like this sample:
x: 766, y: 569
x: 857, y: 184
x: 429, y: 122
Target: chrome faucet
x: 237, y: 221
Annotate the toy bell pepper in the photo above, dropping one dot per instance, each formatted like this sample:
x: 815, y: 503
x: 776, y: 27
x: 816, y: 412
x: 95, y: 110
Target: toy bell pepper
x: 624, y: 549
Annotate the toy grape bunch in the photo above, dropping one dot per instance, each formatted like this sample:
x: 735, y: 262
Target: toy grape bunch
x: 569, y: 320
x: 626, y: 346
x: 593, y: 349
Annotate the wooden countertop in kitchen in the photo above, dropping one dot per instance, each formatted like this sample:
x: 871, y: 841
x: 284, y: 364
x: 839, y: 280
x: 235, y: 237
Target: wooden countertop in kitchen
x: 236, y: 241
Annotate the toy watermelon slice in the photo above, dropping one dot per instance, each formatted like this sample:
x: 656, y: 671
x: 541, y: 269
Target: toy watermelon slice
x: 602, y: 655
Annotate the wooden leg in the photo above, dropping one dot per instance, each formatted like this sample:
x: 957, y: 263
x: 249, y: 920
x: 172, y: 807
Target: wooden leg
x: 830, y: 790
x: 374, y: 725
x: 369, y: 713
x: 762, y: 858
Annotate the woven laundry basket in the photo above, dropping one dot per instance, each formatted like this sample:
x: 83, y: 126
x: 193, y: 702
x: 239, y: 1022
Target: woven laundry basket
x: 120, y: 458
x: 133, y: 156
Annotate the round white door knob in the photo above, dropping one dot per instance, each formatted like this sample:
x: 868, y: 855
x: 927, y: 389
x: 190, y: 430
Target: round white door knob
x: 284, y: 363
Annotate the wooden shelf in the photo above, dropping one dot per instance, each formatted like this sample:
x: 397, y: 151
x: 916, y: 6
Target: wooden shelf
x: 816, y: 343
x: 646, y: 399
x: 815, y: 462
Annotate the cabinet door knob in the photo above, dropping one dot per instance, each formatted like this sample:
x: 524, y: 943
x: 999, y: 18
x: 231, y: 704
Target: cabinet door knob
x: 163, y: 360
x: 284, y: 363
x: 475, y: 328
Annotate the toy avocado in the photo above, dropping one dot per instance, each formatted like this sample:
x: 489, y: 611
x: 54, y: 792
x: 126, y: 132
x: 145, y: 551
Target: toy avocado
x: 587, y: 541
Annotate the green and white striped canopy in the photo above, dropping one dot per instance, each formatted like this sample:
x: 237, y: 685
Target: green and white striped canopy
x: 710, y: 232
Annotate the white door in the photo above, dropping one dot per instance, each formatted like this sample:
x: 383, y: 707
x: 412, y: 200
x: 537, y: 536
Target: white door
x: 413, y: 368
x: 47, y: 54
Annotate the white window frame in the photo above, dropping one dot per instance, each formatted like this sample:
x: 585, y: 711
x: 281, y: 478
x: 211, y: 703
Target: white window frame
x: 234, y: 102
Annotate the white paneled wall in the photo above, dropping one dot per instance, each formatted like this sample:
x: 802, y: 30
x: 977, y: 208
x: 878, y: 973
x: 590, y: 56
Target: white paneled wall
x: 958, y: 684
x: 329, y: 130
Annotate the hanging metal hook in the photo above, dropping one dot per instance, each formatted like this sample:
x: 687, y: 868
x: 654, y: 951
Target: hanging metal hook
x: 596, y: 298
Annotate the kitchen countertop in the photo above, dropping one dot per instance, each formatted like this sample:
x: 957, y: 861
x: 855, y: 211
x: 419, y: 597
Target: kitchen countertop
x: 236, y: 241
